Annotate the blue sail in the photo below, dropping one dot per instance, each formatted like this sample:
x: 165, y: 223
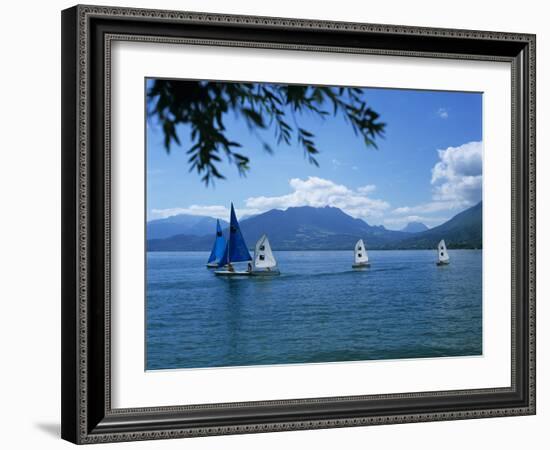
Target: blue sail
x: 219, y: 245
x: 223, y: 260
x: 236, y: 250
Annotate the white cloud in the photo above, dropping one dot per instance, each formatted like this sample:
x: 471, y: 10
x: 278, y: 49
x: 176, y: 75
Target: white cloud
x: 319, y: 192
x: 443, y: 113
x: 313, y: 191
x: 456, y: 180
x: 457, y: 177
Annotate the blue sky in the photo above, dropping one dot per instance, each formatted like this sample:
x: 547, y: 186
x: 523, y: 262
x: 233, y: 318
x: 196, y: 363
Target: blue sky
x: 427, y: 166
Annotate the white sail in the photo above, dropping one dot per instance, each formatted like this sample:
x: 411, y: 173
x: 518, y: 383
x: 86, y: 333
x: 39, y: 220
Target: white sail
x: 361, y: 252
x: 263, y: 256
x: 442, y: 254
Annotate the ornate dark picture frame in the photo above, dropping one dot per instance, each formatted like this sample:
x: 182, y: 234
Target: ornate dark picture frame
x: 87, y: 34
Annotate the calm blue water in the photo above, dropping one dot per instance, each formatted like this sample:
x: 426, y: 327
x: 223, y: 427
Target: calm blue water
x: 318, y: 310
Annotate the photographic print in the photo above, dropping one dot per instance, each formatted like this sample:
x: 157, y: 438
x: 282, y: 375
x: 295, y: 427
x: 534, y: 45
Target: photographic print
x: 298, y: 224
x: 255, y: 209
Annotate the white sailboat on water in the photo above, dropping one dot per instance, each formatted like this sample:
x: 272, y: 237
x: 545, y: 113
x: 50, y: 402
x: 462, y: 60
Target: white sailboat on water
x: 361, y: 256
x: 442, y: 255
x: 264, y: 261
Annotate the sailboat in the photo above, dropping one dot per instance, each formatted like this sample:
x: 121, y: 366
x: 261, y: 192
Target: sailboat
x: 217, y: 249
x: 264, y: 261
x: 442, y: 255
x: 235, y: 250
x: 361, y: 257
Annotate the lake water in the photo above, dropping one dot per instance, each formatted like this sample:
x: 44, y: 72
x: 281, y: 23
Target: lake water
x: 318, y: 310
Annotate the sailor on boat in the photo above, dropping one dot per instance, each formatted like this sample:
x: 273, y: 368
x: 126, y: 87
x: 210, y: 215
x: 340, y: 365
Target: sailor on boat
x: 361, y: 256
x: 442, y: 255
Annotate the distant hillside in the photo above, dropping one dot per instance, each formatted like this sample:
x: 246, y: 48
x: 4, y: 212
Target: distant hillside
x: 307, y: 228
x: 300, y: 228
x: 182, y: 224
x: 311, y: 228
x: 414, y: 227
x: 462, y: 231
x: 182, y: 243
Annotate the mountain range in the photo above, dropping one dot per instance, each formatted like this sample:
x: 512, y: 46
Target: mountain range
x: 414, y: 227
x: 462, y: 231
x: 309, y: 228
x: 182, y: 224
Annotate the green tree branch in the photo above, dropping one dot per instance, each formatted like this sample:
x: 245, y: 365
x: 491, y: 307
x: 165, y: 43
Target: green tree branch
x: 203, y: 106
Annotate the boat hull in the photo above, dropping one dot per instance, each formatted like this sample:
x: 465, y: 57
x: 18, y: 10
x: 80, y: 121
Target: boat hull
x: 265, y: 273
x: 212, y: 265
x: 246, y: 273
x: 442, y: 263
x: 233, y: 273
x: 360, y: 266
